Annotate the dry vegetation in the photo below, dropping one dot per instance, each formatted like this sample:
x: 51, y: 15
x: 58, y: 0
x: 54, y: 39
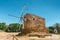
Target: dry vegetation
x: 8, y: 36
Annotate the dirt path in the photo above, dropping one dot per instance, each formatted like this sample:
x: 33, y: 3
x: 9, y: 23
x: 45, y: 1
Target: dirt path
x: 6, y: 36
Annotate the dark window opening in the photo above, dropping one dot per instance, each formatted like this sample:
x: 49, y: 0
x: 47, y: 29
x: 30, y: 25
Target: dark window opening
x: 33, y: 18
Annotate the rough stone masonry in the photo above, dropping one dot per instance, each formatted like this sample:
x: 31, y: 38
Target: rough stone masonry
x: 33, y: 23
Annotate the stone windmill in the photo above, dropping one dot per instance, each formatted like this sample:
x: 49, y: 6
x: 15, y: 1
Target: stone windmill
x: 31, y: 23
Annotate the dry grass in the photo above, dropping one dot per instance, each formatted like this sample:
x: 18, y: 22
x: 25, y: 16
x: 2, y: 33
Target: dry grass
x: 8, y: 36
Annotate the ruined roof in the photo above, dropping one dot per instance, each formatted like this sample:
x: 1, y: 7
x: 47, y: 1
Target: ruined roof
x: 33, y: 15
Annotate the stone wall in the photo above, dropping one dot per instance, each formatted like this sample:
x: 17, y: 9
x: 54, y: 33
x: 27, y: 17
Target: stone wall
x: 33, y: 23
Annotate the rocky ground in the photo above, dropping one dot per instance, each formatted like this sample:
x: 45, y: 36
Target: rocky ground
x: 9, y: 36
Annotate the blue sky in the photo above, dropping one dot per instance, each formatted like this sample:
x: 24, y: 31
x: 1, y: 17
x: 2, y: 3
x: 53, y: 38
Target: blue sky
x: 48, y: 9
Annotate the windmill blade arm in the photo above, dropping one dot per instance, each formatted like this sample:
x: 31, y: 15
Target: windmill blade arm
x: 13, y: 16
